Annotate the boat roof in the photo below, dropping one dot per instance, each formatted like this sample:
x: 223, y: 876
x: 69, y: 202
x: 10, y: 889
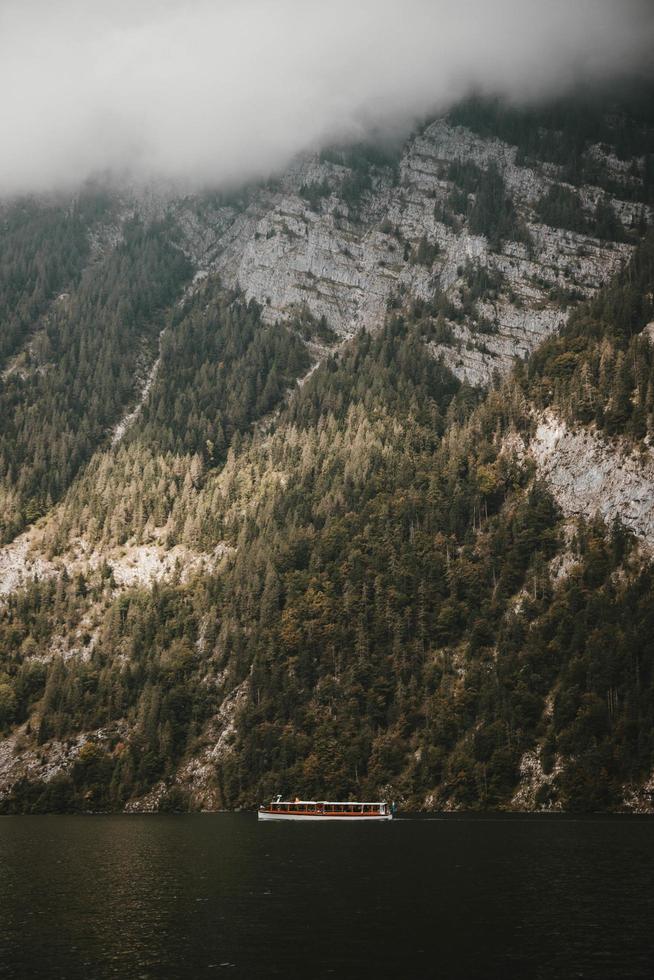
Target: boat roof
x: 334, y: 802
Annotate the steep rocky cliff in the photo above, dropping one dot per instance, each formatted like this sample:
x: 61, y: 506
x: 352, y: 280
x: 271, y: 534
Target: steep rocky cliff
x: 346, y: 263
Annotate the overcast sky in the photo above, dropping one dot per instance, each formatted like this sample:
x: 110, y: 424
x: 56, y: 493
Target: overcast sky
x: 218, y: 90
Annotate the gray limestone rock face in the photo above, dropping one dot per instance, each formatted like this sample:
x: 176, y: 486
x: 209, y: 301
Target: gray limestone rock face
x: 589, y: 475
x: 349, y: 263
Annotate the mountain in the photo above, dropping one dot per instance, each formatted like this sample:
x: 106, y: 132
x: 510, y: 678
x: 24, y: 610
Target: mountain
x: 338, y: 484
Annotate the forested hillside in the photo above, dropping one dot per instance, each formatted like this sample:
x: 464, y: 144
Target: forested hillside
x: 261, y: 537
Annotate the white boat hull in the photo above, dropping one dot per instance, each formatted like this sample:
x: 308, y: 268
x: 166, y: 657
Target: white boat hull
x: 334, y: 817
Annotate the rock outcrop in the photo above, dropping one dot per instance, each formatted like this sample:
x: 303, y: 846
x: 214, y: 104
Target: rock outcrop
x: 589, y: 475
x: 347, y: 264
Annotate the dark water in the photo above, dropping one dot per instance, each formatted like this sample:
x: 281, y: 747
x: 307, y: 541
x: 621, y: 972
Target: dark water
x: 216, y: 895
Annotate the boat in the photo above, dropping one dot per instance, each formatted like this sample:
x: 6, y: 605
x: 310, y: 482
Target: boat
x: 279, y: 809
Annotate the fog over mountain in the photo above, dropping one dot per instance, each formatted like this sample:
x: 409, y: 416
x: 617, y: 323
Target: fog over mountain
x: 213, y: 92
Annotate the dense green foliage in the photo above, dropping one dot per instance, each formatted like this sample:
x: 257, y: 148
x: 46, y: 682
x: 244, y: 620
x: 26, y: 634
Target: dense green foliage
x: 601, y: 368
x: 153, y: 684
x: 389, y: 617
x: 79, y: 375
x: 43, y: 250
x: 561, y: 208
x: 388, y: 368
x: 481, y: 195
x: 221, y: 368
x: 493, y: 213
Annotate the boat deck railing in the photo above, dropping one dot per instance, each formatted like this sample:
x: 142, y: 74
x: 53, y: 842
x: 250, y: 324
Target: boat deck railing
x: 302, y: 806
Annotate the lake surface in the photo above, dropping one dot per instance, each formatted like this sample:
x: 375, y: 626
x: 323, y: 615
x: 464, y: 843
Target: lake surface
x: 220, y: 895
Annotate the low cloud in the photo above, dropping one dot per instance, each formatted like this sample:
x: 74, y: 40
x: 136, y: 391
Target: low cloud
x: 213, y: 91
